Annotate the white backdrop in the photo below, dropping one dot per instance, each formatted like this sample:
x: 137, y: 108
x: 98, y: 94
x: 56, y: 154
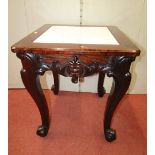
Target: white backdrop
x: 129, y: 15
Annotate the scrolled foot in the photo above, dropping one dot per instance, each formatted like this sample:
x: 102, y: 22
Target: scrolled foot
x: 110, y: 135
x: 42, y: 131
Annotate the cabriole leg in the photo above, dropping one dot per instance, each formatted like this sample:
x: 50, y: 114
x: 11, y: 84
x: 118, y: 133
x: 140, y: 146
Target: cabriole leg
x: 121, y: 81
x: 31, y: 81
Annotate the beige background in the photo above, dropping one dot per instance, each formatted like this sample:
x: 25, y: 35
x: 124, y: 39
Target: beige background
x: 129, y: 15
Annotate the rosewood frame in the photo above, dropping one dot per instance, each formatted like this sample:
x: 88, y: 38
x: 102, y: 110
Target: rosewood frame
x: 76, y: 61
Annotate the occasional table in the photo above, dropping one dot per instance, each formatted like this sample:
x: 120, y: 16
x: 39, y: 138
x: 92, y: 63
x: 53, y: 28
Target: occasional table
x: 76, y: 52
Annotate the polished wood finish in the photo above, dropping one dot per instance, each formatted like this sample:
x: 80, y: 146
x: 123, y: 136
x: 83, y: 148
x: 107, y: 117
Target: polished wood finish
x: 76, y: 61
x: 125, y: 47
x: 32, y: 84
x: 121, y: 81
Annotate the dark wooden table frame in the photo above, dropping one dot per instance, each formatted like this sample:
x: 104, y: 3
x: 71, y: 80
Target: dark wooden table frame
x: 76, y: 61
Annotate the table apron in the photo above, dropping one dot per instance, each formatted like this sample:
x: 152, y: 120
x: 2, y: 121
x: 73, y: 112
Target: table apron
x: 75, y: 65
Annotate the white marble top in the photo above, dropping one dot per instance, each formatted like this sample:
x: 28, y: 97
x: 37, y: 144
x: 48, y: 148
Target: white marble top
x: 77, y: 35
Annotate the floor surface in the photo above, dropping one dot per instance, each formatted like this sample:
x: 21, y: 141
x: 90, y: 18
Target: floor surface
x: 76, y: 125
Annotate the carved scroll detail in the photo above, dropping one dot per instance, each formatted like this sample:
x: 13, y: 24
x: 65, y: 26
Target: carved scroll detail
x: 74, y: 67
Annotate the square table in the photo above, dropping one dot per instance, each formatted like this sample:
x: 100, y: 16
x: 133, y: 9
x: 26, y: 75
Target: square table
x: 76, y: 52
